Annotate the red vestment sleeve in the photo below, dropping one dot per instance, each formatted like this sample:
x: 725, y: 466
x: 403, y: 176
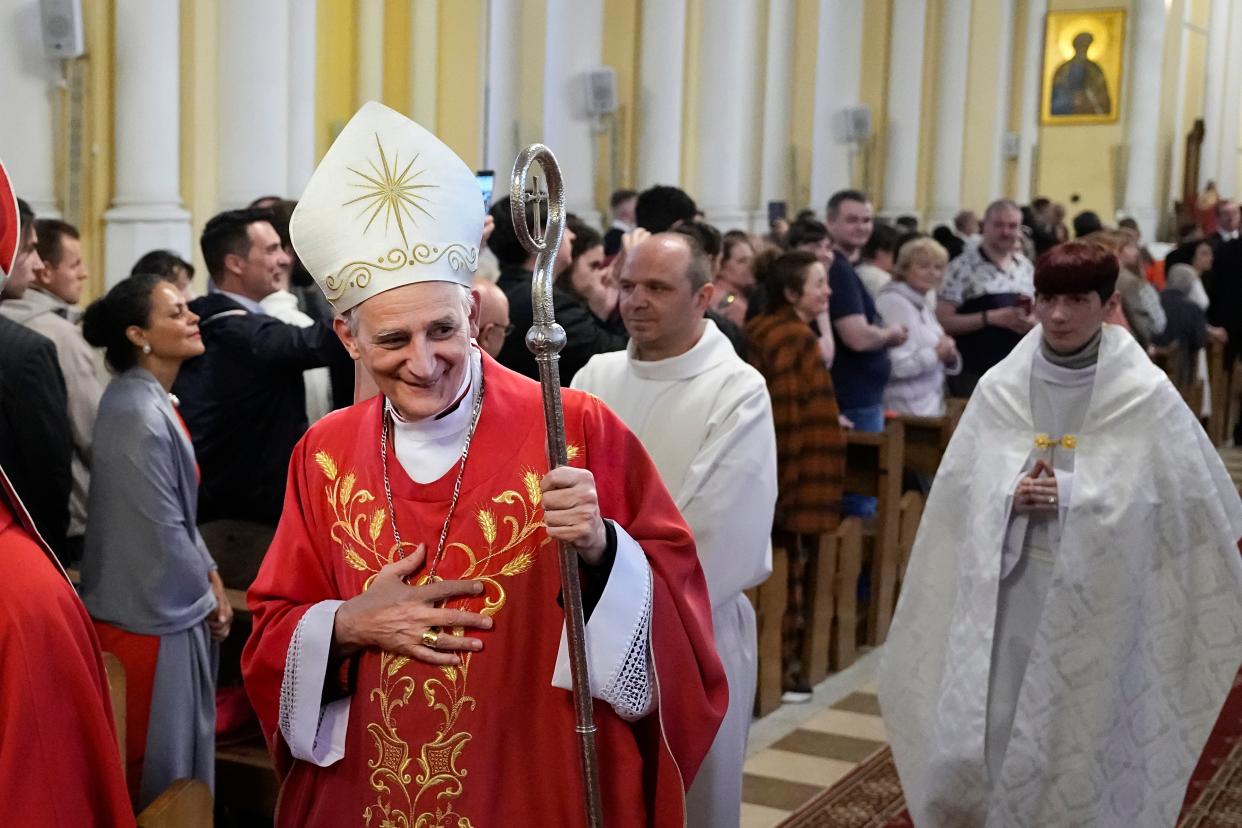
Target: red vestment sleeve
x: 293, y: 578
x: 693, y: 693
x: 59, y: 759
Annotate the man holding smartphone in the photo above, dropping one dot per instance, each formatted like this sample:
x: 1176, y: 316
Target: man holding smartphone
x: 985, y: 302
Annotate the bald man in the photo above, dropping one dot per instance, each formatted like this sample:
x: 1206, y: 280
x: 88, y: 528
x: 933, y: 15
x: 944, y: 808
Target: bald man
x: 493, y: 315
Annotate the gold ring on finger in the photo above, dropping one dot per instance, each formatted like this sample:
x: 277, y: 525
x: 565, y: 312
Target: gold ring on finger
x: 431, y: 637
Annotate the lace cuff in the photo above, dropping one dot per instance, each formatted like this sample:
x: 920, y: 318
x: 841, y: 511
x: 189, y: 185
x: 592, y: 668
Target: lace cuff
x: 618, y: 637
x: 314, y: 731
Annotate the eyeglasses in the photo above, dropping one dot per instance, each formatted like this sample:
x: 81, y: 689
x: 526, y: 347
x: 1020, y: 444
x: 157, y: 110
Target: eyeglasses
x: 508, y: 329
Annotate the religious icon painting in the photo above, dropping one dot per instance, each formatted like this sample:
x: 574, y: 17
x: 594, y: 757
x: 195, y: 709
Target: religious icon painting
x: 1083, y: 53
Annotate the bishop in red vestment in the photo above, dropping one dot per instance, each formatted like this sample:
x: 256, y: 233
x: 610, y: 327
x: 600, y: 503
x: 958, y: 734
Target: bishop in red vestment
x: 59, y: 759
x: 407, y: 662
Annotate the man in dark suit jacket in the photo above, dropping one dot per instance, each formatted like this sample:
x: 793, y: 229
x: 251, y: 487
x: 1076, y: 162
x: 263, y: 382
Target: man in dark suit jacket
x: 1224, y: 284
x: 1228, y: 224
x: 243, y: 399
x: 36, y: 443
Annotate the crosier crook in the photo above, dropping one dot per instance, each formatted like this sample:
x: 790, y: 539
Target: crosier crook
x: 545, y: 339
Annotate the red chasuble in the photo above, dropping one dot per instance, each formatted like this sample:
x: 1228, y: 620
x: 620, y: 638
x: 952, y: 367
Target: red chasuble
x: 59, y: 759
x: 491, y: 742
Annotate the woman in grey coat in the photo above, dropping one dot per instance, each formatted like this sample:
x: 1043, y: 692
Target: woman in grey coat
x: 148, y: 580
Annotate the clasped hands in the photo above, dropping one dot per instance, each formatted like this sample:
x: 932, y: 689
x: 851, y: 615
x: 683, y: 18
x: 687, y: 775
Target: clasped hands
x: 412, y: 620
x: 1037, y: 492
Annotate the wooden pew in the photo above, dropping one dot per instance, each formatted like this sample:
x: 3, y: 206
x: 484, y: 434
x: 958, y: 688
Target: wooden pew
x: 1182, y: 371
x: 186, y: 803
x: 769, y: 601
x: 1219, y: 382
x: 925, y: 441
x: 911, y: 515
x: 873, y: 467
x: 246, y: 780
x: 819, y: 595
x: 843, y: 646
x: 115, y: 671
x: 238, y: 547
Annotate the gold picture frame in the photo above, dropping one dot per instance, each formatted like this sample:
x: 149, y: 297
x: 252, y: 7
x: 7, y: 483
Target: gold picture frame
x: 1083, y: 53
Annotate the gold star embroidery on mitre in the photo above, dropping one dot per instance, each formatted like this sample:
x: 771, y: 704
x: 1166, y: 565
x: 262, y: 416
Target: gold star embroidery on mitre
x: 391, y: 193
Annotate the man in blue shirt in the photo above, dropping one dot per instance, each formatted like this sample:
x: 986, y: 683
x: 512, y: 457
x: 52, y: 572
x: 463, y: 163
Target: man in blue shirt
x: 861, y: 366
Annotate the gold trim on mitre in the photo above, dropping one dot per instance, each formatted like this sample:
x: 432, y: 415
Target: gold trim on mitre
x: 389, y: 205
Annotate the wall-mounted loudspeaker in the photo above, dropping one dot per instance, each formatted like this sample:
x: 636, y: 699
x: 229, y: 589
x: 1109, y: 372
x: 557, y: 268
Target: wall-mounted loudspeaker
x: 1011, y: 145
x: 601, y: 91
x: 62, y: 28
x: 856, y: 124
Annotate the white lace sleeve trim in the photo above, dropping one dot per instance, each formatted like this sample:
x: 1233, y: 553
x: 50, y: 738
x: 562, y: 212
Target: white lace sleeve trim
x: 618, y: 637
x: 314, y: 732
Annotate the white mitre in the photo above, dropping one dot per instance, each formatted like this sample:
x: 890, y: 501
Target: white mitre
x: 389, y: 205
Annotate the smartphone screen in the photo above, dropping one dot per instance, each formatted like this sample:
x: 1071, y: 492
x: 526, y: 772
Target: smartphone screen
x: 487, y: 181
x: 776, y: 211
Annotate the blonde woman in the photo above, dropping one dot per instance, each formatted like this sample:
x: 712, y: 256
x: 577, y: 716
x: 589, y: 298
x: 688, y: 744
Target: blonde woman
x: 920, y: 364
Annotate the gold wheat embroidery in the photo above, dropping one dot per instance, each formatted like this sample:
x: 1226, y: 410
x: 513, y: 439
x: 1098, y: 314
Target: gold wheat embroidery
x: 421, y: 791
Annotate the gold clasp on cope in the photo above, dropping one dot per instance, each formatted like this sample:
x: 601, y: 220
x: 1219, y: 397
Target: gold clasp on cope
x: 1043, y: 441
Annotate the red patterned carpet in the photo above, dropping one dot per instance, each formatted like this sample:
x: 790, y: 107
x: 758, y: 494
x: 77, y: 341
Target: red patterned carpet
x: 1214, y: 798
x: 870, y: 796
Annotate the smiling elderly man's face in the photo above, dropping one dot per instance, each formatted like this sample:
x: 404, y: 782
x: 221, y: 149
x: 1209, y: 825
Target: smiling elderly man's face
x: 415, y: 342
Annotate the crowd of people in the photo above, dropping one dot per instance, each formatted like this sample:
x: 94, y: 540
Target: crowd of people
x: 730, y: 355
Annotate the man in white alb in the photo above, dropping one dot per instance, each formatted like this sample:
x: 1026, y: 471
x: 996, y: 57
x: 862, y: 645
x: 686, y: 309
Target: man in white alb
x: 705, y: 417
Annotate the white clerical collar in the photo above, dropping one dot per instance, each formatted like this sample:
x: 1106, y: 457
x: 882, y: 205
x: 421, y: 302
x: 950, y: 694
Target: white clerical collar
x: 456, y: 419
x: 712, y: 348
x: 1228, y: 235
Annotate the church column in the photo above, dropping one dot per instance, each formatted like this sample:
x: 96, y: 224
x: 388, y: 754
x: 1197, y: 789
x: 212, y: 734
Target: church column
x: 254, y: 107
x: 574, y: 45
x: 1227, y: 180
x: 146, y: 211
x: 1177, y: 161
x: 774, y: 183
x: 370, y: 52
x: 953, y: 61
x: 905, y: 107
x: 1004, y: 80
x: 838, y: 74
x: 1143, y: 123
x: 504, y: 28
x: 27, y: 95
x: 1214, y: 94
x: 425, y: 41
x: 1032, y: 69
x: 301, y: 160
x: 726, y: 141
x: 661, y: 76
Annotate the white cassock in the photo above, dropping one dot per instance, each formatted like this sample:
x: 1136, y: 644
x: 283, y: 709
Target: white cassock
x: 706, y: 419
x: 1067, y: 670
